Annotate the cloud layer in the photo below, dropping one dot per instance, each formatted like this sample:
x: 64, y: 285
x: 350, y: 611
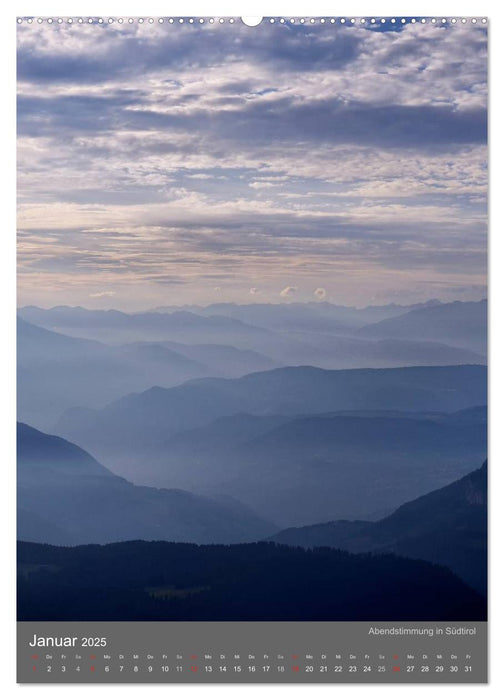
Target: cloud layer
x: 195, y: 163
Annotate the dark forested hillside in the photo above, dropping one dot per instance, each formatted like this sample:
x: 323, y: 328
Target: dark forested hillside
x: 263, y: 581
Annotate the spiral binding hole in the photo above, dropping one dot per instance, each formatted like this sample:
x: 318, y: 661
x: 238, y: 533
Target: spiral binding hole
x: 255, y: 21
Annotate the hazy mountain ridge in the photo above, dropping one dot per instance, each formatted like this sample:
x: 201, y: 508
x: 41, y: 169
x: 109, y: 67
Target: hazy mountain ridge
x: 117, y: 326
x: 290, y: 445
x: 296, y: 469
x: 318, y: 315
x: 447, y: 526
x: 319, y: 334
x: 287, y: 460
x: 68, y: 494
x: 160, y: 413
x: 56, y: 372
x: 463, y: 324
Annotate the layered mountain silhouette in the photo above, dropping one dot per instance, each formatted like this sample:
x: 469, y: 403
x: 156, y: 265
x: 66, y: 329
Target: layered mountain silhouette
x: 56, y: 371
x: 119, y: 327
x: 320, y: 316
x: 353, y: 464
x: 318, y: 334
x: 463, y: 324
x: 252, y: 438
x: 350, y: 433
x: 447, y: 526
x: 66, y: 497
x: 159, y: 412
x: 262, y: 581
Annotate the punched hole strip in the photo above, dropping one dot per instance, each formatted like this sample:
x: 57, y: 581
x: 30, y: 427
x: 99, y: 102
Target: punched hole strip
x: 265, y: 20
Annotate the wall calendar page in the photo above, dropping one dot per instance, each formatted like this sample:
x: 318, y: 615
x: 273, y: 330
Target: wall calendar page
x: 252, y: 350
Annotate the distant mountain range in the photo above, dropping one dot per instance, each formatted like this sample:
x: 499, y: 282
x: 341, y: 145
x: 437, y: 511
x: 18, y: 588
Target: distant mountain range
x: 159, y: 413
x: 319, y: 316
x: 278, y: 454
x: 67, y: 497
x: 262, y: 581
x: 297, y: 470
x: 462, y: 324
x: 56, y: 371
x: 319, y: 334
x: 118, y: 327
x: 447, y: 526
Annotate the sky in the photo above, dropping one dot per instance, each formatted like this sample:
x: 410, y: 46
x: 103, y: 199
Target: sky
x: 199, y: 163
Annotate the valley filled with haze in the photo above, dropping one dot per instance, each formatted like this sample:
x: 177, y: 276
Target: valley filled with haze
x: 289, y: 424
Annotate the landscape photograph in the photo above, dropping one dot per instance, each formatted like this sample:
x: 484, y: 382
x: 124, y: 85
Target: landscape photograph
x: 252, y: 320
